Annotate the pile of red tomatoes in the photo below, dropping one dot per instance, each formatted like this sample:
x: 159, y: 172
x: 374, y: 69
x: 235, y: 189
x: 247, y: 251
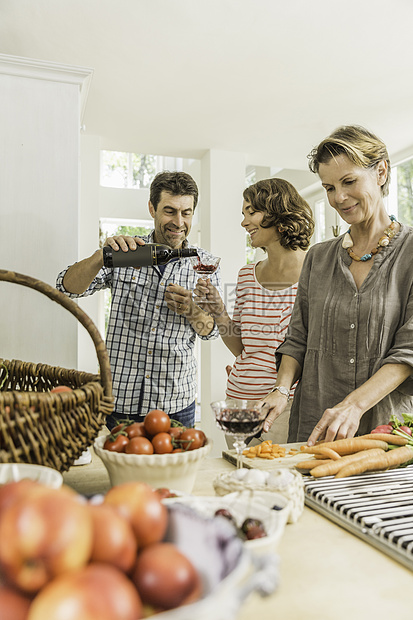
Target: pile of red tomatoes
x: 157, y: 434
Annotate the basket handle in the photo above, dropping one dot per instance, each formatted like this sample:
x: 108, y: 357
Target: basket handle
x: 73, y: 308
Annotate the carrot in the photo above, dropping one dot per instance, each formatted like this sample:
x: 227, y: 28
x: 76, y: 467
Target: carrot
x: 395, y: 440
x: 324, y: 451
x: 311, y: 464
x: 348, y: 446
x: 386, y: 460
x: 332, y: 467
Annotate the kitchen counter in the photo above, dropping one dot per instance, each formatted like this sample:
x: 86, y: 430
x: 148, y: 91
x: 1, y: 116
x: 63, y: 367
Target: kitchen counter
x: 326, y: 573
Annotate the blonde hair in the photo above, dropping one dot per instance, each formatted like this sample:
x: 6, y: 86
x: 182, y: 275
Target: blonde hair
x: 362, y: 148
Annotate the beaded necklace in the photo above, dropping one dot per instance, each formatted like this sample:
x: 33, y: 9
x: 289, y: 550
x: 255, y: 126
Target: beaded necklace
x: 384, y: 241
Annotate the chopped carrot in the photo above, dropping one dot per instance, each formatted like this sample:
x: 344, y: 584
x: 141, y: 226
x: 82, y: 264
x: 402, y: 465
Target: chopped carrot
x: 265, y: 450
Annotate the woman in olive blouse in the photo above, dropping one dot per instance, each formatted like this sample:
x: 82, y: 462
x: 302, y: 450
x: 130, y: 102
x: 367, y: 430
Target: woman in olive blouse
x: 350, y: 339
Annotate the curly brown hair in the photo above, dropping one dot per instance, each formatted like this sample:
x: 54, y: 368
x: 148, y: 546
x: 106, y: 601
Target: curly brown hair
x: 175, y: 183
x: 283, y: 208
x: 362, y: 147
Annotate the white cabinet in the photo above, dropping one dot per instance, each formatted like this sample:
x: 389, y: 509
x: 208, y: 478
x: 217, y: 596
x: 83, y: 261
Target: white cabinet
x: 41, y: 105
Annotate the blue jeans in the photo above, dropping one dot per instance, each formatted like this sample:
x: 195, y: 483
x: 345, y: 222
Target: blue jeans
x: 185, y: 416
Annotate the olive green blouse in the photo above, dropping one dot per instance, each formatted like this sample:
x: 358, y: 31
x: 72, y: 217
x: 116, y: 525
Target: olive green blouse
x: 341, y: 335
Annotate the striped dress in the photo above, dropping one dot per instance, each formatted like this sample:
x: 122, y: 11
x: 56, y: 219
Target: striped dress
x: 263, y: 317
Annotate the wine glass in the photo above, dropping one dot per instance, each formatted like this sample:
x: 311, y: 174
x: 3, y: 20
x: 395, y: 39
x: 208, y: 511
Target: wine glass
x: 204, y: 267
x: 241, y: 419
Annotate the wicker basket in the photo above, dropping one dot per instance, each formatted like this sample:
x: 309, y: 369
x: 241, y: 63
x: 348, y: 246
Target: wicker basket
x: 44, y: 428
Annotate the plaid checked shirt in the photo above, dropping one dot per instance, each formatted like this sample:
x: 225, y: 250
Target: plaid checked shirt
x: 151, y: 348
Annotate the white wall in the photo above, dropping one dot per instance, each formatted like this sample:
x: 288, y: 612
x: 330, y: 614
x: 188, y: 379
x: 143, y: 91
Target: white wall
x: 222, y: 184
x: 39, y: 193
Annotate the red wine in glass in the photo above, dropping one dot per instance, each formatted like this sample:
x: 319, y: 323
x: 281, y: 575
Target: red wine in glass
x: 240, y: 419
x: 204, y: 267
x: 239, y: 422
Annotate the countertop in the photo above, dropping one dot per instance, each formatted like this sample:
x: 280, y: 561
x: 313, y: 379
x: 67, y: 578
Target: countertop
x: 326, y: 573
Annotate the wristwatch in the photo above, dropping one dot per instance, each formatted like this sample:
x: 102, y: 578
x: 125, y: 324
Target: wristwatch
x: 282, y: 390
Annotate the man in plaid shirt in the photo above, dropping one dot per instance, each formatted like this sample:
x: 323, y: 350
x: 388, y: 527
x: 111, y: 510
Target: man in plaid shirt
x: 153, y: 319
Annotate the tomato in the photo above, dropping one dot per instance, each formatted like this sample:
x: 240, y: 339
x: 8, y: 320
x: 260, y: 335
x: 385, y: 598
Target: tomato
x: 118, y: 428
x: 132, y: 429
x: 157, y: 421
x: 139, y: 445
x: 177, y: 450
x: 405, y: 429
x: 162, y: 443
x: 116, y: 445
x: 176, y: 431
x: 61, y: 388
x: 192, y: 439
x: 136, y: 429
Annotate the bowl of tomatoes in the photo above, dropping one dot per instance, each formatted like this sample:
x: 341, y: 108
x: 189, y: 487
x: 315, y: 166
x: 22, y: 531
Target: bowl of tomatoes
x: 156, y: 451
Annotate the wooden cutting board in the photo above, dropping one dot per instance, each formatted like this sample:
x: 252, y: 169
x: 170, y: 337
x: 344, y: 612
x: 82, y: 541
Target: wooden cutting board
x: 266, y: 464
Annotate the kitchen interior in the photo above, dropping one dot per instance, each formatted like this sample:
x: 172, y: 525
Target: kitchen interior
x: 230, y: 92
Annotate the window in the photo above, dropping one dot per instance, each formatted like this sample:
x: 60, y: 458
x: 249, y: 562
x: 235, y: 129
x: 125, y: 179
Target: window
x: 400, y: 200
x: 133, y: 170
x: 320, y: 221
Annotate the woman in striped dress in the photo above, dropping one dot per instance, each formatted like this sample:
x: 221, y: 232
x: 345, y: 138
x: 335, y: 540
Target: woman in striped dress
x: 279, y: 221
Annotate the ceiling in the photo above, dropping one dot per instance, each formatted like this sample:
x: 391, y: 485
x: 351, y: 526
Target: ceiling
x: 269, y: 78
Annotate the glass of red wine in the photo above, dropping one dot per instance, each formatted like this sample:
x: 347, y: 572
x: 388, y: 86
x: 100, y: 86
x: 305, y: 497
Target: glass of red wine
x: 204, y: 267
x: 240, y: 419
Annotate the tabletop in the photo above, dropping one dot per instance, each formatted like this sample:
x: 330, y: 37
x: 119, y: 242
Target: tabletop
x: 326, y: 573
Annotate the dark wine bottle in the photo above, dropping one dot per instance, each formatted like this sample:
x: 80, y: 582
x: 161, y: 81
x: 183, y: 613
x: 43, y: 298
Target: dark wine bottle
x: 144, y: 255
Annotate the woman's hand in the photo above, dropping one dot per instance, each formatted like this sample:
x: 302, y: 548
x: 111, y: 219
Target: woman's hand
x: 275, y: 402
x: 337, y: 422
x: 213, y: 304
x: 343, y: 420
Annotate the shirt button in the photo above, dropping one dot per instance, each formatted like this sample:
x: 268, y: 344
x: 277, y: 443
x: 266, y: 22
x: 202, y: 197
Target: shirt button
x: 352, y: 361
x: 153, y: 329
x: 147, y: 376
x: 157, y: 307
x: 352, y: 326
x: 162, y: 283
x: 149, y: 352
x: 355, y: 294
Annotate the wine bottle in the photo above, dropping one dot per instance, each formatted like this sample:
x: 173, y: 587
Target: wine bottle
x: 144, y: 255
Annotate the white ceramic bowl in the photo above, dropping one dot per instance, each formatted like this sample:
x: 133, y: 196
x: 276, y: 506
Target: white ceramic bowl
x: 174, y: 471
x: 228, y: 571
x: 247, y: 505
x: 13, y: 472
